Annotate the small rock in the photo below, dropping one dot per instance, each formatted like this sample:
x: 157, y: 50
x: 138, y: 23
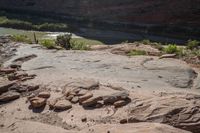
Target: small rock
x: 84, y: 119
x: 70, y: 97
x: 115, y: 97
x: 168, y: 56
x: 31, y: 96
x: 120, y: 103
x: 75, y: 100
x: 63, y: 105
x: 9, y: 96
x: 37, y: 102
x: 44, y: 94
x: 17, y: 76
x: 82, y: 92
x: 92, y: 101
x: 85, y: 97
x: 52, y: 103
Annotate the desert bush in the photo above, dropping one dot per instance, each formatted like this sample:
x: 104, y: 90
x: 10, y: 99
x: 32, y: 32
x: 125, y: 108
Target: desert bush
x: 50, y: 44
x: 75, y: 45
x: 171, y: 49
x: 146, y: 41
x: 193, y: 44
x: 21, y: 38
x: 64, y: 41
x: 136, y: 52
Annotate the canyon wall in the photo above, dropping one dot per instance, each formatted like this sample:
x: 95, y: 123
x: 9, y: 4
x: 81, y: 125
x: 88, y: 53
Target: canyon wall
x: 141, y: 12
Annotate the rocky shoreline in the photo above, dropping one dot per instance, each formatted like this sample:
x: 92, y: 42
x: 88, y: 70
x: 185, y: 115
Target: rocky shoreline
x: 95, y: 91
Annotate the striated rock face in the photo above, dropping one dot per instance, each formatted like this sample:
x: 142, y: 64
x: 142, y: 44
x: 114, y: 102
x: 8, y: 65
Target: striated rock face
x: 131, y: 11
x: 179, y: 110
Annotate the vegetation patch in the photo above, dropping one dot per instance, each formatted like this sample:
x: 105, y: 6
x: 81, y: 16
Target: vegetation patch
x: 75, y: 45
x: 136, y: 52
x: 21, y: 38
x: 48, y: 43
x: 20, y: 24
x: 193, y: 44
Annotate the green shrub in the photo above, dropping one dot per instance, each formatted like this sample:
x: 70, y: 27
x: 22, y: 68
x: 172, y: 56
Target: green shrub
x: 64, y: 41
x: 146, y: 41
x: 136, y: 52
x: 78, y: 45
x: 193, y: 44
x: 171, y: 49
x: 50, y: 44
x: 21, y: 38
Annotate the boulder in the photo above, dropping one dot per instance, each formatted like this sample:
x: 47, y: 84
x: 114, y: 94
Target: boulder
x: 92, y: 101
x: 37, y: 102
x: 62, y: 105
x: 44, y: 94
x: 179, y: 110
x: 111, y: 99
x: 120, y: 103
x: 7, y: 70
x: 85, y: 97
x: 5, y: 85
x: 9, y: 96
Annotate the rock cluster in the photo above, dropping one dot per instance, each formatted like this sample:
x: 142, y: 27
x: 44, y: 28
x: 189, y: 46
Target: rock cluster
x: 11, y: 90
x: 88, y: 99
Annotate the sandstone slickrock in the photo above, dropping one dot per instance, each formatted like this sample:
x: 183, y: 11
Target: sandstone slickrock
x: 37, y: 102
x: 85, y: 84
x: 62, y: 105
x: 111, y: 99
x: 9, y: 96
x: 133, y: 128
x: 181, y: 111
x: 44, y: 94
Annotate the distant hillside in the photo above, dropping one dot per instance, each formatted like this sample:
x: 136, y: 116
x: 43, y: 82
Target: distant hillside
x: 181, y: 13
